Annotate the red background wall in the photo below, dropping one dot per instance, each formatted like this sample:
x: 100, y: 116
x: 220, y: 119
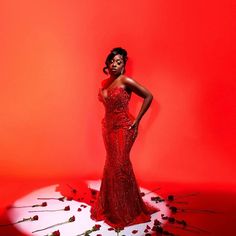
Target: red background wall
x: 52, y: 55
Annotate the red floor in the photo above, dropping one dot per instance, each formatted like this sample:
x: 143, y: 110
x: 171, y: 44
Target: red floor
x: 220, y: 199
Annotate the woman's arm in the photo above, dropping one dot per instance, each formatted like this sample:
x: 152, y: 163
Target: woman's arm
x: 142, y: 92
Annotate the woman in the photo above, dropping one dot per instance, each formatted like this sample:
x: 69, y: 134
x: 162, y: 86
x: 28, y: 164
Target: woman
x: 119, y: 202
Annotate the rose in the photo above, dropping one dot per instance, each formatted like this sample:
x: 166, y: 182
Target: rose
x: 55, y: 233
x: 67, y: 208
x: 23, y: 220
x: 157, y: 199
x: 52, y: 198
x: 135, y: 231
x: 72, y: 219
x: 42, y: 204
x: 34, y: 218
x: 157, y: 222
x: 88, y: 232
x: 164, y: 217
x: 173, y: 209
x: 142, y: 194
x: 93, y: 192
x: 170, y: 198
x: 96, y: 227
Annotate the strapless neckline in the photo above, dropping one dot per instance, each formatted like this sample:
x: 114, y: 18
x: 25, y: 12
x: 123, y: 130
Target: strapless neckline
x: 112, y: 89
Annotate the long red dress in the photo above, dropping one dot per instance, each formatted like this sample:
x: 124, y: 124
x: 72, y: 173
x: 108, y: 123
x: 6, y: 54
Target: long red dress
x: 119, y: 202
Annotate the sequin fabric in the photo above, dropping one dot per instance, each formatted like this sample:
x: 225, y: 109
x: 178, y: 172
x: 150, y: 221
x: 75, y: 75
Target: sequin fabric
x: 119, y: 202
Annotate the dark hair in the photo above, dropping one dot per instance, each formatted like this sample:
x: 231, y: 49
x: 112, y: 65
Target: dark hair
x: 112, y: 54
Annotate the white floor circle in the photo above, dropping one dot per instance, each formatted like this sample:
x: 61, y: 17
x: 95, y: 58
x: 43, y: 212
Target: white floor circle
x: 82, y: 221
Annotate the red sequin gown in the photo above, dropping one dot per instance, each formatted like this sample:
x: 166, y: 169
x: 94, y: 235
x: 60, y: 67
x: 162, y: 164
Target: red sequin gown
x: 119, y: 202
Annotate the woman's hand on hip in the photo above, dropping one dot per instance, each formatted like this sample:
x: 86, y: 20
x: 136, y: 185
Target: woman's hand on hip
x: 135, y: 127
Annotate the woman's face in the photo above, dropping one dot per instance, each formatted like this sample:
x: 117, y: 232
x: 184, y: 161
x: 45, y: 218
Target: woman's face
x: 116, y: 65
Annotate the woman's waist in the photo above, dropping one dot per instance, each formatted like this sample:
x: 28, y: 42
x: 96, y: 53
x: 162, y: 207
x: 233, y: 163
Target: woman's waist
x: 117, y: 119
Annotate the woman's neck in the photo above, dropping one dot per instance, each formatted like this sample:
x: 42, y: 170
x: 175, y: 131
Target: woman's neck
x: 113, y: 77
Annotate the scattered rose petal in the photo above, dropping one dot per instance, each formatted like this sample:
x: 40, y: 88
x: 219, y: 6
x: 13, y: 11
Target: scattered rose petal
x: 170, y: 198
x: 56, y: 233
x: 173, y: 209
x: 157, y: 222
x: 135, y: 231
x: 93, y: 192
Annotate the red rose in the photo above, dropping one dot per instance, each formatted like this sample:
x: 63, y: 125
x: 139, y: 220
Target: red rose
x: 170, y: 198
x: 173, y: 209
x: 67, y: 208
x: 74, y: 190
x: 72, y: 219
x: 97, y: 227
x: 36, y: 217
x: 56, y: 233
x: 157, y: 222
x: 93, y: 192
x: 61, y: 199
x: 44, y: 204
x: 142, y: 194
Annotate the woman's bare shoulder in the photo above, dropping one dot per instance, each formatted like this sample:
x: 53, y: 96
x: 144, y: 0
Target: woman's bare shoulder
x: 128, y: 80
